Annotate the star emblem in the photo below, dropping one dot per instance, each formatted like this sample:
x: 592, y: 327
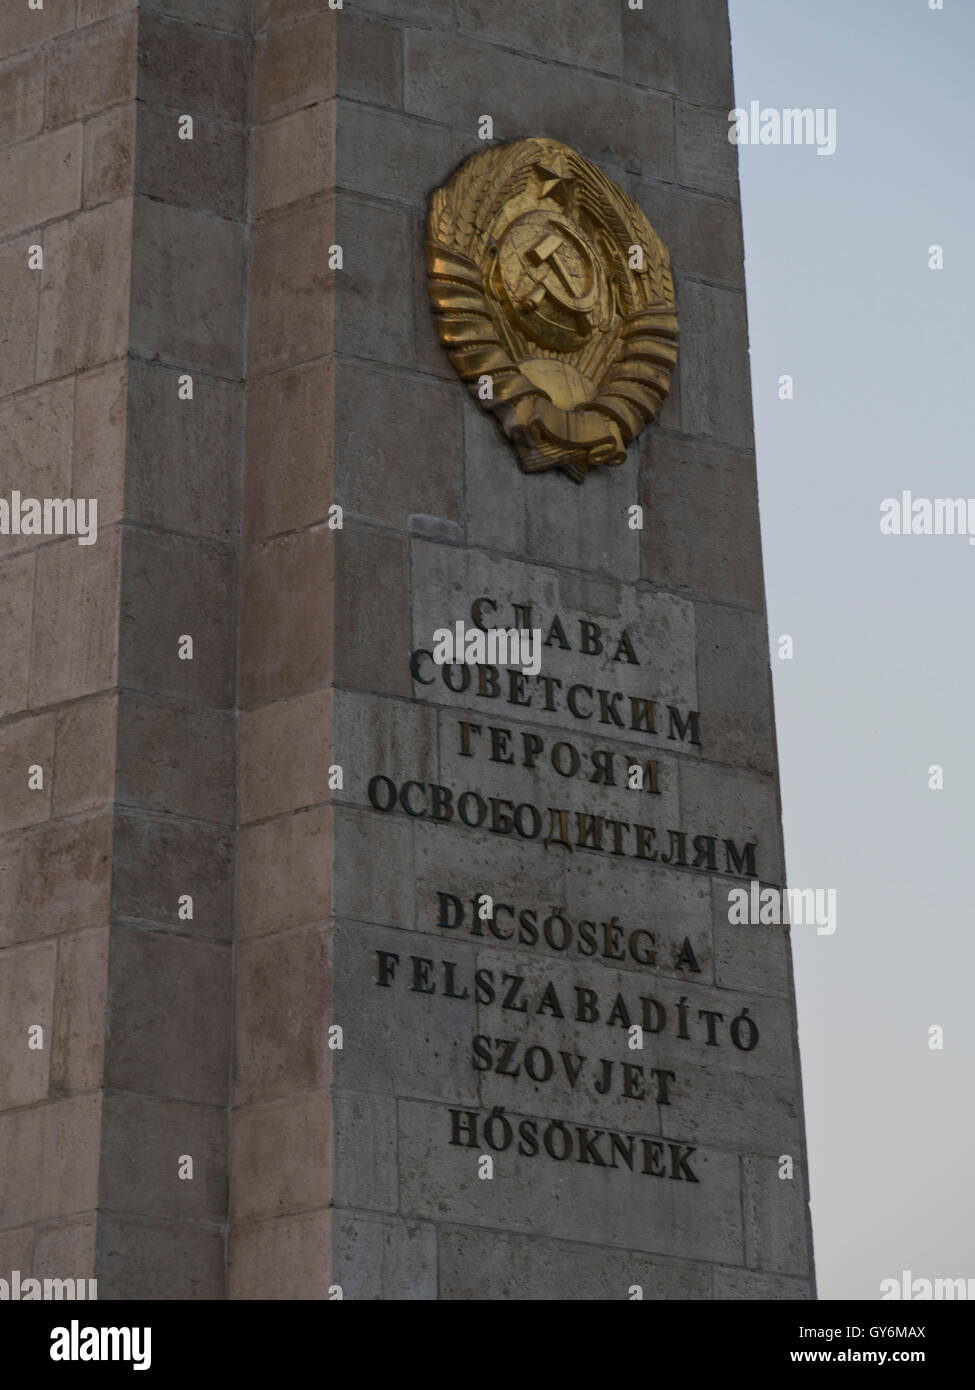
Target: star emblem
x: 555, y: 182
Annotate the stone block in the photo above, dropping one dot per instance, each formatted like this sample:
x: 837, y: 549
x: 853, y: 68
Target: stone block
x: 295, y: 66
x: 291, y: 293
x: 702, y: 233
x: 17, y: 1251
x: 76, y: 608
x: 35, y: 436
x: 176, y: 758
x: 775, y: 1215
x: 288, y: 581
x: 425, y: 12
x: 84, y: 777
x: 290, y: 479
x: 288, y: 1257
x: 293, y: 158
x: 680, y: 47
x: 27, y: 743
x: 281, y: 1158
x: 16, y: 599
x: 285, y: 754
x: 50, y: 1160
x: 363, y: 839
x: 84, y: 309
x: 455, y: 81
x: 398, y: 446
x: 580, y: 34
x: 284, y: 873
x: 144, y: 1144
x: 735, y: 686
x: 159, y: 859
x: 172, y: 588
x: 19, y: 290
x: 183, y: 464
x: 744, y: 1286
x: 283, y: 1015
x: 365, y: 1151
x: 90, y: 69
x: 187, y: 288
x: 26, y: 1014
x: 68, y: 1245
x: 110, y: 153
x: 151, y: 1260
x: 370, y: 62
x: 92, y: 11
x: 383, y: 1257
x: 99, y: 465
x: 687, y: 492
x: 371, y: 612
x: 168, y: 1017
x: 63, y: 876
x: 232, y: 15
x: 40, y: 179
x: 492, y: 1266
x: 191, y: 68
x: 26, y: 28
x: 21, y: 96
x: 373, y: 295
x: 714, y: 375
x: 81, y: 991
x: 206, y: 173
x: 389, y: 156
x: 706, y: 158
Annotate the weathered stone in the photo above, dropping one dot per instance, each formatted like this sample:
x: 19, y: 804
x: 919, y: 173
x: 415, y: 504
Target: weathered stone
x: 176, y: 758
x: 191, y: 68
x: 164, y: 432
x: 26, y: 1010
x: 168, y: 1017
x: 21, y: 96
x: 293, y: 158
x: 205, y: 173
x: 186, y: 277
x: 91, y: 69
x: 74, y: 650
x: 110, y: 149
x: 383, y: 1257
x: 84, y: 309
x: 41, y: 179
x: 174, y: 588
x: 279, y: 1158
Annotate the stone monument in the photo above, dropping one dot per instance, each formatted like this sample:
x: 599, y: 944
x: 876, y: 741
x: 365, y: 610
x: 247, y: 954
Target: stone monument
x: 377, y: 767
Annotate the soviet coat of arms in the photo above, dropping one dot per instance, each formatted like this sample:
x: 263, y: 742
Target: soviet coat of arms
x: 554, y: 300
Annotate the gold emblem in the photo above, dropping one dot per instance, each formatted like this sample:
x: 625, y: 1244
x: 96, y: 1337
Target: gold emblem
x: 555, y: 301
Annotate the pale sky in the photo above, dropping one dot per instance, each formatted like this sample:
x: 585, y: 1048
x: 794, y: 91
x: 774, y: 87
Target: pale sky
x: 882, y: 684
